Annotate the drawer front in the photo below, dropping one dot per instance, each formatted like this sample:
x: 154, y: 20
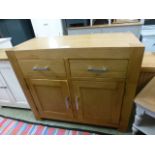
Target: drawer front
x: 43, y: 68
x: 99, y: 68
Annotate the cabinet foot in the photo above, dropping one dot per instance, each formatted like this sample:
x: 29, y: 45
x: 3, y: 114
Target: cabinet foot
x: 123, y: 127
x: 37, y: 117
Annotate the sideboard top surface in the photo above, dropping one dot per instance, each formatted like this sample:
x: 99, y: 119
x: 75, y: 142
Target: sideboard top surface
x: 81, y: 41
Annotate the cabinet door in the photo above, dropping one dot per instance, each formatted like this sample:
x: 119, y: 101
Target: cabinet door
x: 13, y: 85
x: 98, y: 102
x: 6, y: 98
x: 51, y: 97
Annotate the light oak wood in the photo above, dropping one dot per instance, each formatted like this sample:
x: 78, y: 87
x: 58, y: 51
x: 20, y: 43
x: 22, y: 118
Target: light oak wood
x: 144, y: 78
x: 52, y: 98
x: 3, y: 55
x: 84, y: 41
x: 146, y: 98
x: 147, y: 70
x: 125, y: 21
x: 113, y: 94
x: 134, y: 68
x: 43, y: 68
x: 72, y: 53
x: 148, y: 63
x: 98, y: 68
x: 98, y: 102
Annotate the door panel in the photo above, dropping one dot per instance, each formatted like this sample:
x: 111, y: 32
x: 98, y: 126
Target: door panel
x: 13, y: 84
x: 52, y: 97
x: 98, y: 102
x: 6, y: 98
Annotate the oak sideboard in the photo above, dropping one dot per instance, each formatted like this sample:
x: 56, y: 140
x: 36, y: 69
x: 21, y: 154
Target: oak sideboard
x: 87, y: 79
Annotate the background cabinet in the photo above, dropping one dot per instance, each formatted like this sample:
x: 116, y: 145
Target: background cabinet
x: 76, y: 26
x: 5, y: 43
x: 19, y: 30
x: 5, y: 95
x: 47, y: 27
x: 148, y: 37
x: 11, y: 93
x: 52, y: 97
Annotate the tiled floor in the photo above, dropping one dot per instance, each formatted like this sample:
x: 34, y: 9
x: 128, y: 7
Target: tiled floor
x: 27, y: 115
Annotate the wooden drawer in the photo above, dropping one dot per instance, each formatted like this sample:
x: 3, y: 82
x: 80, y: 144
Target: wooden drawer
x: 43, y: 68
x: 98, y: 68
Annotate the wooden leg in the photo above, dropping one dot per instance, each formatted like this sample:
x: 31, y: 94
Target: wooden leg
x: 37, y: 116
x: 123, y: 126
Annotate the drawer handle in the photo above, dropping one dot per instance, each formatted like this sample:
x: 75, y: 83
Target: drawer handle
x: 45, y: 24
x: 96, y: 70
x: 77, y: 103
x: 67, y: 102
x: 36, y: 68
x: 3, y: 87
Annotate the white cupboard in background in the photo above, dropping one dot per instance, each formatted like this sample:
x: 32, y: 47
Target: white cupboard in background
x: 148, y: 37
x: 135, y: 29
x: 47, y: 27
x: 5, y: 43
x: 11, y: 94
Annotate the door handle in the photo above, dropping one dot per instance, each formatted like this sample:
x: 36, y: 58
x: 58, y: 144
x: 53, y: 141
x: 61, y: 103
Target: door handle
x: 77, y: 103
x: 97, y: 70
x: 35, y: 68
x: 45, y: 24
x: 67, y: 102
x: 3, y: 87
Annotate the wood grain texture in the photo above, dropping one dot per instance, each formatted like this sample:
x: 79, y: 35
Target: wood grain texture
x: 3, y: 55
x: 113, y: 68
x: 84, y: 41
x: 144, y: 78
x: 55, y: 68
x: 134, y: 69
x: 148, y: 63
x: 98, y: 102
x: 102, y: 100
x: 52, y: 97
x: 147, y: 70
x: 146, y: 98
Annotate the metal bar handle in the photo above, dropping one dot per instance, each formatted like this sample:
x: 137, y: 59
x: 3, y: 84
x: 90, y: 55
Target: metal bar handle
x: 97, y: 70
x: 67, y: 102
x: 36, y: 68
x: 3, y: 87
x: 77, y: 103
